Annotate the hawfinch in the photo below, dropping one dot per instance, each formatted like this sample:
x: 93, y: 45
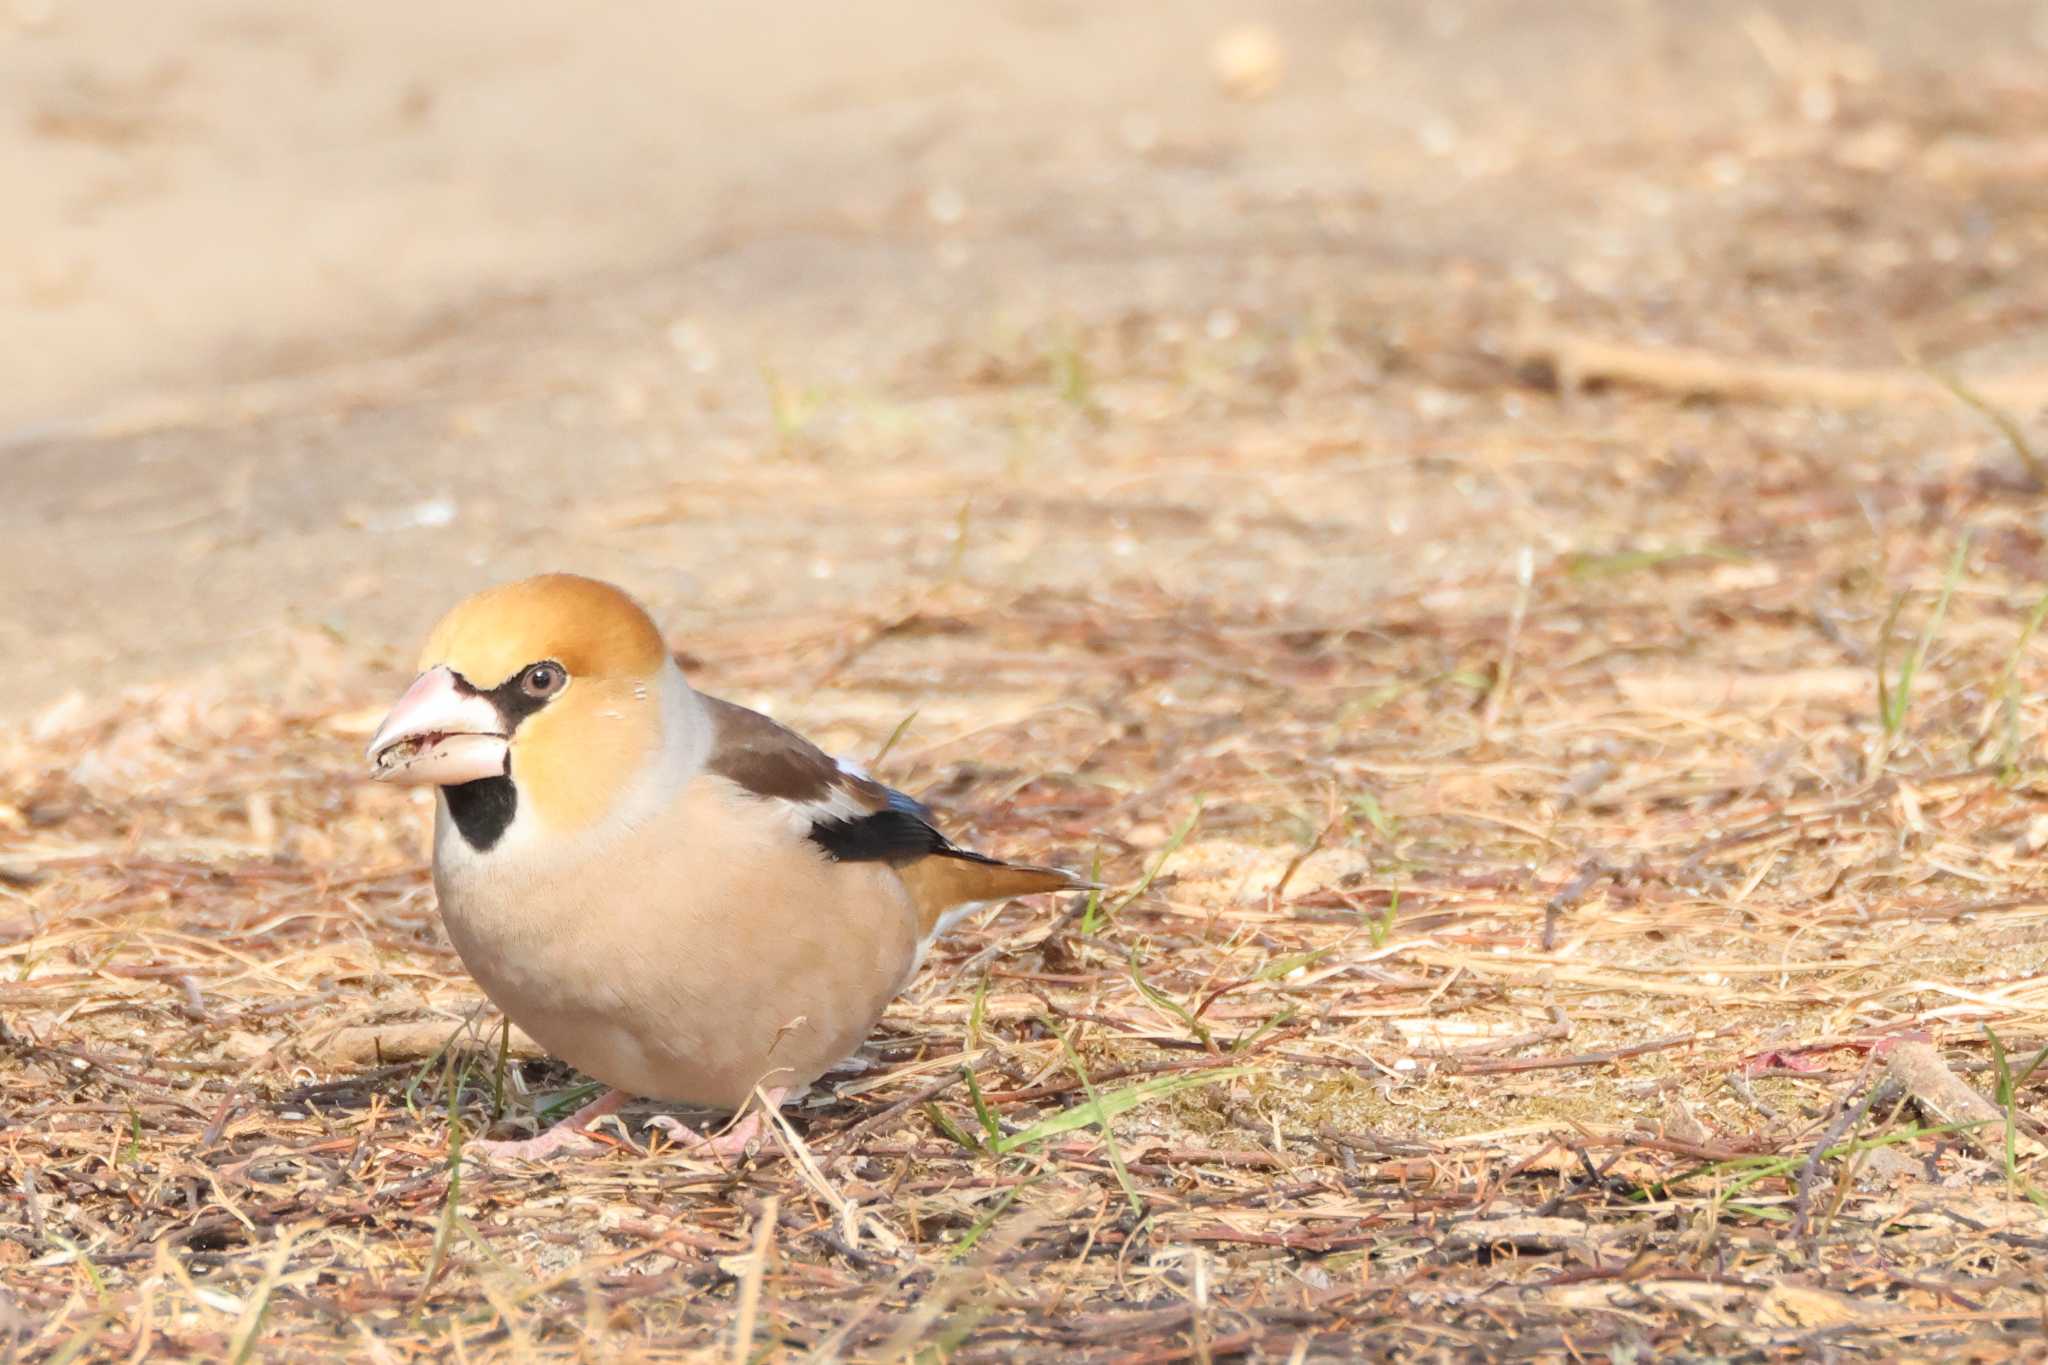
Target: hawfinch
x: 671, y: 893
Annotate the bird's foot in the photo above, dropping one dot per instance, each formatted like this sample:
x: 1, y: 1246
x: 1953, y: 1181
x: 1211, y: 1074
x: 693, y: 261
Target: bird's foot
x: 733, y: 1141
x: 554, y: 1142
x: 570, y: 1135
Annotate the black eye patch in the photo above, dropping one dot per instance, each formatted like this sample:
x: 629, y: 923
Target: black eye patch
x: 511, y: 698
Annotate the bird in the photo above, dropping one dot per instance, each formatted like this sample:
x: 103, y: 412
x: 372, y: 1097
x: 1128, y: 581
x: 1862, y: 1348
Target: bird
x: 674, y: 894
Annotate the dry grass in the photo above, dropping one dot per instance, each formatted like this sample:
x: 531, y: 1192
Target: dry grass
x: 1527, y: 982
x: 1626, y: 945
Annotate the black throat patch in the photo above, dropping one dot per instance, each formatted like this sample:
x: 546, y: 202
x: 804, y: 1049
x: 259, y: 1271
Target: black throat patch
x: 482, y: 810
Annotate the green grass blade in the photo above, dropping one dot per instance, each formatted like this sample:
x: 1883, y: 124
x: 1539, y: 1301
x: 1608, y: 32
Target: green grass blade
x: 498, y: 1072
x: 982, y: 1113
x: 1899, y: 699
x: 977, y: 1014
x: 1245, y: 1040
x: 1180, y: 836
x: 944, y: 1123
x: 2009, y: 693
x: 988, y: 1220
x: 902, y: 728
x: 2007, y: 426
x: 1381, y: 929
x: 1586, y: 566
x: 1116, y: 1155
x: 1166, y: 1004
x: 1099, y: 1109
x: 1091, y: 914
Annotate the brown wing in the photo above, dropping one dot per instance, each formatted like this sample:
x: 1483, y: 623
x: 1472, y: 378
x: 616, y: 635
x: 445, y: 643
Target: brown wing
x: 773, y: 760
x: 854, y: 818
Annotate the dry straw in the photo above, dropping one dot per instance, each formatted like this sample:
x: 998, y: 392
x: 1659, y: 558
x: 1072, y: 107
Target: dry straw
x: 1644, y: 998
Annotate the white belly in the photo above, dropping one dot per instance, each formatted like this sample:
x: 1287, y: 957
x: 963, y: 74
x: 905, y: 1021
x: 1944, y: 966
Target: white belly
x: 692, y: 959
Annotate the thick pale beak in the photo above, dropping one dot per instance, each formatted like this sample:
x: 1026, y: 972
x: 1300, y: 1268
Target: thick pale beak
x: 440, y: 734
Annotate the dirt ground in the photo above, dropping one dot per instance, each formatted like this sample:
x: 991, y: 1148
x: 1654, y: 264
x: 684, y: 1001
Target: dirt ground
x: 1525, y: 521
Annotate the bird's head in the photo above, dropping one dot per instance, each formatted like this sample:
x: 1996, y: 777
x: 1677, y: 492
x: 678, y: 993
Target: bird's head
x: 552, y: 685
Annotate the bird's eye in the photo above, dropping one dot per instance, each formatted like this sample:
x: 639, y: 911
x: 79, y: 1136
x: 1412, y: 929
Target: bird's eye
x: 542, y: 680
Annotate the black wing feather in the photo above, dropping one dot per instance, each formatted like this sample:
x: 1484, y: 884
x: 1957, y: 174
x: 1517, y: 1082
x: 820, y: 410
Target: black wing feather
x: 901, y: 832
x: 776, y: 764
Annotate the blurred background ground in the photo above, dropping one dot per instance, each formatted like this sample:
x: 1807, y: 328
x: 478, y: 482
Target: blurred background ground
x: 1180, y: 407
x: 325, y: 315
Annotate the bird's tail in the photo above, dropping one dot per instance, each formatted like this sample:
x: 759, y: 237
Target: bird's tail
x: 956, y: 877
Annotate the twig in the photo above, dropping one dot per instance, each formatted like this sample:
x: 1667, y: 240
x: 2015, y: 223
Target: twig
x: 1371, y: 1143
x: 948, y: 1288
x: 1488, y: 1065
x: 1848, y: 1117
x: 902, y: 1106
x: 1576, y: 360
x: 1593, y: 870
x: 1945, y: 1098
x: 1504, y: 672
x: 750, y: 1283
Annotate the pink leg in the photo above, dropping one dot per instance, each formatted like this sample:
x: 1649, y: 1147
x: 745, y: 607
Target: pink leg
x: 566, y: 1136
x: 733, y: 1141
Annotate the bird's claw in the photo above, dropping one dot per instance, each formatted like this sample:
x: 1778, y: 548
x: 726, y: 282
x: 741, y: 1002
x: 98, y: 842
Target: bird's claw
x: 554, y: 1142
x: 732, y: 1142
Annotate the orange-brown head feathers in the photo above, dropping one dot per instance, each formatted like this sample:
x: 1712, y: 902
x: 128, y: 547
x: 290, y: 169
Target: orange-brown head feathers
x: 590, y: 628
